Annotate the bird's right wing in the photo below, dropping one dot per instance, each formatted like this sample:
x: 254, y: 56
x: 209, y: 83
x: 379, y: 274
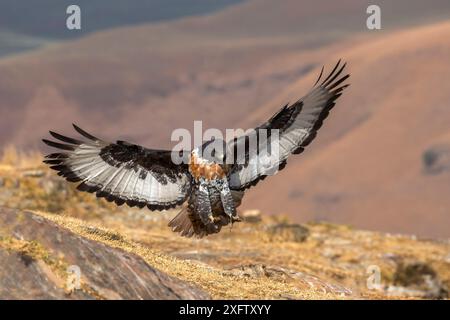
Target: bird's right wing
x: 296, y: 126
x: 121, y: 172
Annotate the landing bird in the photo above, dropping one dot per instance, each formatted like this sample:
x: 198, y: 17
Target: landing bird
x: 211, y: 186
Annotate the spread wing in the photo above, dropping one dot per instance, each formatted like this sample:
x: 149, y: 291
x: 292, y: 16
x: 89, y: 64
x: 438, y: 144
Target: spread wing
x: 121, y: 172
x: 297, y: 126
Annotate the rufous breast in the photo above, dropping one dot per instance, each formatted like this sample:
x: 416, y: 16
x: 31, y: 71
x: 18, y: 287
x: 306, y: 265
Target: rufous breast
x: 201, y: 168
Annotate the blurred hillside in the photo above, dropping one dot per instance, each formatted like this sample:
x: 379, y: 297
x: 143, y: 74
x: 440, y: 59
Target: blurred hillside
x: 261, y: 257
x: 384, y: 150
x: 381, y: 159
x: 219, y: 68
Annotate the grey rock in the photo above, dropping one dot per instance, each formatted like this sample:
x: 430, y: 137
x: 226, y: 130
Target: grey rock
x: 37, y: 269
x: 302, y: 280
x: 416, y: 278
x: 288, y: 232
x: 436, y: 159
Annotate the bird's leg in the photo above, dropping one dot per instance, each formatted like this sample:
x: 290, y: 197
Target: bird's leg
x: 227, y: 200
x: 204, y: 206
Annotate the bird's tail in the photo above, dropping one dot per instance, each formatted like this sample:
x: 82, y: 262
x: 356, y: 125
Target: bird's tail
x: 183, y: 224
x: 188, y: 224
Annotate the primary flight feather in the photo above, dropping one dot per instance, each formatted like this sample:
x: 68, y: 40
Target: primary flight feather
x: 211, y: 183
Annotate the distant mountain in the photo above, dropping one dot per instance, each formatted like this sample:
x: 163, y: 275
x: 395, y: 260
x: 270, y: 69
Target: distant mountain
x: 314, y: 18
x: 11, y: 43
x: 25, y: 26
x: 197, y: 67
x: 47, y: 18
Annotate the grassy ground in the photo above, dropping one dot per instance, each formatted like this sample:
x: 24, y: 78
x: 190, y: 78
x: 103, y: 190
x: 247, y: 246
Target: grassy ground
x: 268, y: 257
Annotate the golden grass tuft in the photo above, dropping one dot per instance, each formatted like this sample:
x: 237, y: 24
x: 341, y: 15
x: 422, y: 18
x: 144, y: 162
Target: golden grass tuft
x: 12, y: 157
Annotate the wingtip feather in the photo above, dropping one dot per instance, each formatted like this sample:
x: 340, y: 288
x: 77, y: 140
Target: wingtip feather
x: 84, y: 133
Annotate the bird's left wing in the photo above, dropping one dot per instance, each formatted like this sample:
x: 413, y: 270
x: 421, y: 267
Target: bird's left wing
x: 121, y: 172
x: 288, y: 132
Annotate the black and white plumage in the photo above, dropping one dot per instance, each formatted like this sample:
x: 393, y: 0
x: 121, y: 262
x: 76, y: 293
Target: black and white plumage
x: 211, y: 184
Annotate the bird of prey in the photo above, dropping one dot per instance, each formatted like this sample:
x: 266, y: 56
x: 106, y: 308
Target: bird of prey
x: 211, y: 186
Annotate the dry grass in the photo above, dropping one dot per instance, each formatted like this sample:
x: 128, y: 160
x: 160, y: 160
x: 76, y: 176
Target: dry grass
x: 12, y: 158
x: 214, y: 280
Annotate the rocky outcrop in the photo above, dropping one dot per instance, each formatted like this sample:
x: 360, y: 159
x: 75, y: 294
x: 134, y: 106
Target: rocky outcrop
x: 287, y: 232
x: 301, y: 280
x: 417, y: 279
x: 41, y: 260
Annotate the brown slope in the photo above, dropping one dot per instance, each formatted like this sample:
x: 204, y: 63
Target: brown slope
x: 134, y: 87
x: 366, y: 168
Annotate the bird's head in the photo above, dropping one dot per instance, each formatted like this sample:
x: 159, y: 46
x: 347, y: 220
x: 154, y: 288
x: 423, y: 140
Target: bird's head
x: 212, y: 151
